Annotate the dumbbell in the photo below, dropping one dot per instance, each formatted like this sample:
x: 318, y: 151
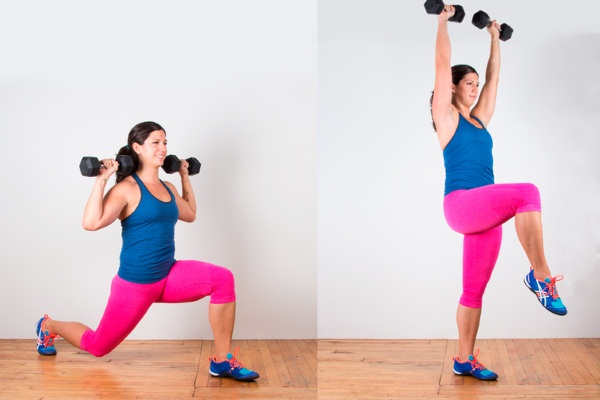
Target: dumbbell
x: 90, y: 166
x: 482, y: 20
x: 437, y: 7
x: 172, y: 164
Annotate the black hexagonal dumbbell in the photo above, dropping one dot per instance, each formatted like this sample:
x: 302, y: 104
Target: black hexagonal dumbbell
x: 90, y: 166
x: 482, y: 20
x: 437, y: 6
x: 172, y: 164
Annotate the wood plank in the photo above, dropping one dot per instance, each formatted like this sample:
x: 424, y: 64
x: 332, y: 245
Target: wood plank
x: 272, y: 379
x: 548, y: 346
x: 552, y: 375
x: 588, y: 364
x: 282, y: 371
x: 515, y: 360
x: 309, y: 355
x: 569, y: 363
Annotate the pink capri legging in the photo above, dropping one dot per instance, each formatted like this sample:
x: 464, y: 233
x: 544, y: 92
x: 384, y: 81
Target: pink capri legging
x: 479, y: 214
x: 128, y: 302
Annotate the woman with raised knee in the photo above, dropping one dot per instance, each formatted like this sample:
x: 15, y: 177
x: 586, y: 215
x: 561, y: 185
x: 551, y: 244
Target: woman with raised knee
x: 148, y: 209
x: 473, y: 204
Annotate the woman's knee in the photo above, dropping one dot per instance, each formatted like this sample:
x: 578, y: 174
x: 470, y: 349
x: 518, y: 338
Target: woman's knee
x: 95, y: 347
x: 531, y: 200
x: 224, y: 288
x: 99, y: 352
x: 471, y: 299
x: 531, y: 190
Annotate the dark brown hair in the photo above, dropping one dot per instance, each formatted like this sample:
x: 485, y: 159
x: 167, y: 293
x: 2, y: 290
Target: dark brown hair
x: 458, y: 73
x: 138, y: 134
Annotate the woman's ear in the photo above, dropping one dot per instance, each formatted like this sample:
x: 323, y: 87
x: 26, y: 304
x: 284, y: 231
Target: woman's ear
x: 136, y: 148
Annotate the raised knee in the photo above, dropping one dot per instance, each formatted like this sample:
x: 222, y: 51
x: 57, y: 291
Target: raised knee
x: 531, y: 189
x: 530, y: 196
x: 226, y: 277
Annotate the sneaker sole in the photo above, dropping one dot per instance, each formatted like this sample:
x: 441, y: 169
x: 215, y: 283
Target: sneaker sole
x: 232, y: 377
x: 466, y: 374
x: 47, y: 354
x: 38, y: 328
x: 540, y: 303
x: 226, y: 375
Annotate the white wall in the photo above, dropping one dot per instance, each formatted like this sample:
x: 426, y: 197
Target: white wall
x: 389, y: 266
x: 235, y: 84
x: 232, y: 82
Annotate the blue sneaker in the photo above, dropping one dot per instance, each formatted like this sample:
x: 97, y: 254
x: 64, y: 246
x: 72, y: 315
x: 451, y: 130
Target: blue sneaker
x: 231, y: 368
x: 546, y: 292
x: 474, y: 368
x: 45, y: 339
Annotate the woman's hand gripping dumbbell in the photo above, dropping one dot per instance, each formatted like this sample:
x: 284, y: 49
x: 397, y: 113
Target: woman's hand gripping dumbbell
x: 438, y: 6
x: 482, y: 20
x: 90, y: 166
x: 172, y: 164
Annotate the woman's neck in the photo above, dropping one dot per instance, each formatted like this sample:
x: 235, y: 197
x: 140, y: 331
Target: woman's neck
x: 148, y: 175
x: 465, y: 111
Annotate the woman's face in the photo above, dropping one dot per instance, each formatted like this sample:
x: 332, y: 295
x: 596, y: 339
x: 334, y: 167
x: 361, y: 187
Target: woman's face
x: 154, y: 149
x: 467, y: 90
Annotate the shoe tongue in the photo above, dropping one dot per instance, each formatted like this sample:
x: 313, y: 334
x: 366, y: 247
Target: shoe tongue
x: 471, y: 358
x: 547, y: 280
x: 229, y: 356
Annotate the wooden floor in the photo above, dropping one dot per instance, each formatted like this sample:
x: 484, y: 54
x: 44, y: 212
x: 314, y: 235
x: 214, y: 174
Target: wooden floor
x: 157, y: 370
x: 346, y: 369
x: 422, y: 369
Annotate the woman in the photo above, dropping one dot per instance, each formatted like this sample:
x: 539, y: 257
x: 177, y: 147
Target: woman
x: 473, y: 204
x: 148, y: 209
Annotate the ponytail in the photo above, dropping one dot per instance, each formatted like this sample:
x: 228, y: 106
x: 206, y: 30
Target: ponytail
x: 127, y: 151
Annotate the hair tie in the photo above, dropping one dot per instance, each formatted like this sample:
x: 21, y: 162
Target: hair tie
x: 127, y: 147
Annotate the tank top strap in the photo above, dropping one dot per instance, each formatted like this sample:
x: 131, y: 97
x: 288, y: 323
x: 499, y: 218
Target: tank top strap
x: 168, y: 190
x: 478, y: 120
x: 144, y: 189
x: 140, y: 183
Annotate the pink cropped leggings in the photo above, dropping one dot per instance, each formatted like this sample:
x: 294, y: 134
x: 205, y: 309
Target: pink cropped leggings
x: 479, y: 214
x: 128, y: 302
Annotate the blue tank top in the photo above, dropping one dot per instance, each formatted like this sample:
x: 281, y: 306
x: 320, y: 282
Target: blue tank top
x: 468, y: 157
x: 148, y: 236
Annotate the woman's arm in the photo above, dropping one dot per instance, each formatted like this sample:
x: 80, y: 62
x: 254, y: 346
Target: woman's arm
x: 186, y: 203
x: 443, y: 112
x: 484, y: 109
x: 100, y: 210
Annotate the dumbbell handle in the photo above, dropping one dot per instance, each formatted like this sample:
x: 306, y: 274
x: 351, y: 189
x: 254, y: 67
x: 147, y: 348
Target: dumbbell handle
x: 437, y: 7
x: 172, y: 164
x: 90, y: 166
x: 482, y: 20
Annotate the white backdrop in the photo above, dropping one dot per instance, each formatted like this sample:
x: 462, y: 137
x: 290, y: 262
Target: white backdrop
x: 232, y: 82
x: 389, y: 266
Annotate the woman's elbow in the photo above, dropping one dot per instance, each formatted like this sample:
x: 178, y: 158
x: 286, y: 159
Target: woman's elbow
x: 191, y: 218
x: 89, y: 226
